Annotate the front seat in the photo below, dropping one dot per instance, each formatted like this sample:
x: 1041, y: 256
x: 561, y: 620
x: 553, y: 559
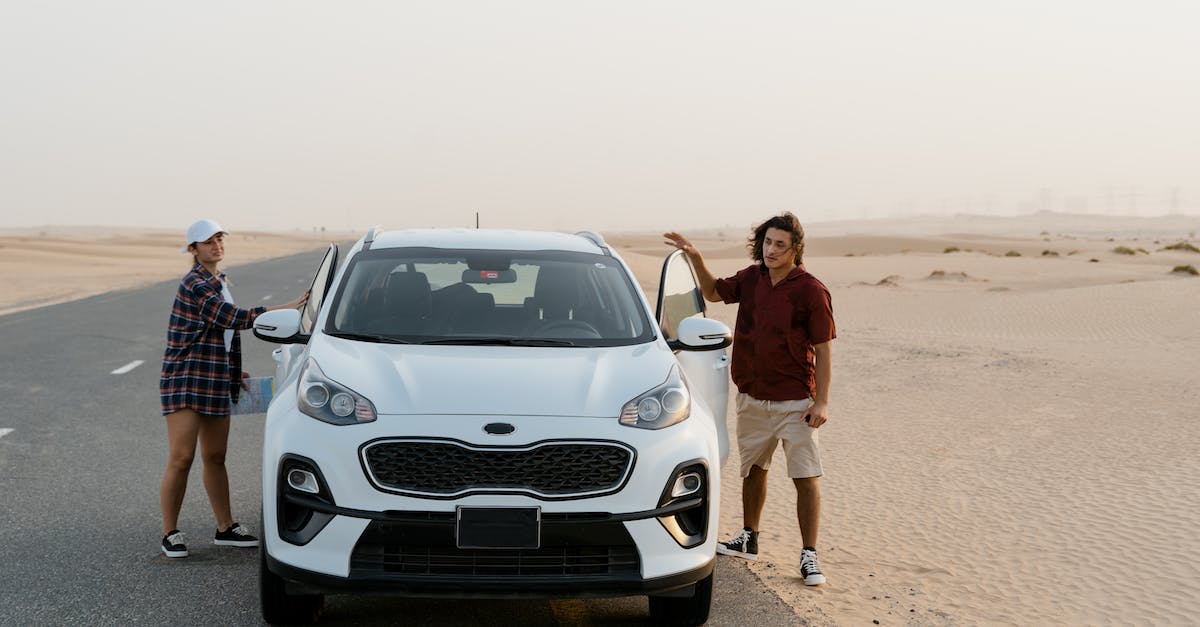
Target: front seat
x: 555, y: 295
x: 408, y: 305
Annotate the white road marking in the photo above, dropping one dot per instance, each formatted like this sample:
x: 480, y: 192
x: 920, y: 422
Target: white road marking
x: 4, y: 432
x: 129, y: 366
x: 267, y: 297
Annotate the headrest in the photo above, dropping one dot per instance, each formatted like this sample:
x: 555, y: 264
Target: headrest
x: 408, y: 294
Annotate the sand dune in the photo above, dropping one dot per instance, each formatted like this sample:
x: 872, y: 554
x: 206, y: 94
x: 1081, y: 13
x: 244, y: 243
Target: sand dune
x: 1011, y: 442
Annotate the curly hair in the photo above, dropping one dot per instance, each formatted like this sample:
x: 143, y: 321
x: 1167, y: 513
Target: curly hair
x: 785, y: 221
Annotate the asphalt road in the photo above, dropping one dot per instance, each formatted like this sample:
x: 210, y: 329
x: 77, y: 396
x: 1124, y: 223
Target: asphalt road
x: 80, y: 468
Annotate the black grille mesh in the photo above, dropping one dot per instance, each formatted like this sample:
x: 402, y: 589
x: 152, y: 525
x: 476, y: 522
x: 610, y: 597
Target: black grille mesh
x: 561, y: 561
x: 448, y: 468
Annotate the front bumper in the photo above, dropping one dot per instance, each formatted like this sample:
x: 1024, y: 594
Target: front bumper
x: 415, y: 554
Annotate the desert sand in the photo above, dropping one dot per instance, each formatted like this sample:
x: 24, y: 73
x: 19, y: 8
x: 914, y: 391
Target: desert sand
x: 1015, y: 410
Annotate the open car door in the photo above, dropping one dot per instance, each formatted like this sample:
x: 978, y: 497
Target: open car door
x: 699, y: 342
x: 286, y: 356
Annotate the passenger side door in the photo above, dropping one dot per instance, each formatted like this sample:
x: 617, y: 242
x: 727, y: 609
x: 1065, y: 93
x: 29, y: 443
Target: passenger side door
x: 699, y: 342
x: 288, y: 356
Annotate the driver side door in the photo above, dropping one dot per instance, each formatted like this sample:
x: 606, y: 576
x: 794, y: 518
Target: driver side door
x: 288, y: 355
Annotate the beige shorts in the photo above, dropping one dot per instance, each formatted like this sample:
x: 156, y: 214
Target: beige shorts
x: 763, y: 424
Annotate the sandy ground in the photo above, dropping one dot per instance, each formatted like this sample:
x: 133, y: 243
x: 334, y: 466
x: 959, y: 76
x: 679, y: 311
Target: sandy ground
x: 42, y: 266
x: 1014, y: 423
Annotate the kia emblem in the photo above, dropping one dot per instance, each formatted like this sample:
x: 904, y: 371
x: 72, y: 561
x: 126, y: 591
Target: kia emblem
x: 498, y: 428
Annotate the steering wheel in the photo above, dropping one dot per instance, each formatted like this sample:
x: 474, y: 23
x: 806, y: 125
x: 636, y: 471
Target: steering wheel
x: 566, y: 328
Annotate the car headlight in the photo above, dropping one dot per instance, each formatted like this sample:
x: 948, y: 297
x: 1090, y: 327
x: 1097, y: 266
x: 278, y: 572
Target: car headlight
x: 660, y: 407
x: 329, y: 401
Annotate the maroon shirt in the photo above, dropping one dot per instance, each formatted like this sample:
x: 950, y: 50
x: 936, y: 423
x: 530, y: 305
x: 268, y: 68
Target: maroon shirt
x: 777, y: 326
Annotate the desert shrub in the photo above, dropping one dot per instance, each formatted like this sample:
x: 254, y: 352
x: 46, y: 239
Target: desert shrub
x: 1188, y: 269
x: 1183, y: 246
x: 1049, y: 253
x: 1124, y: 250
x: 1012, y: 253
x: 951, y: 249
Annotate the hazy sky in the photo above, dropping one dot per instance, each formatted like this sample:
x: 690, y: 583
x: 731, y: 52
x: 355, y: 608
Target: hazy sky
x: 609, y: 115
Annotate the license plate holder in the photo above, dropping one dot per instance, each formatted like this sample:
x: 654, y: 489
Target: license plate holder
x: 499, y: 527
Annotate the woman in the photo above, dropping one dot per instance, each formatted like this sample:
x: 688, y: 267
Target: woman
x: 201, y: 376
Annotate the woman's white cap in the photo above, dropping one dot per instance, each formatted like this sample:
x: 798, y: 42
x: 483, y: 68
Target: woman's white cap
x: 200, y: 231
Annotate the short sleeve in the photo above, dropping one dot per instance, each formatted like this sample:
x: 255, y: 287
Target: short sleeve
x: 731, y: 289
x: 821, y: 327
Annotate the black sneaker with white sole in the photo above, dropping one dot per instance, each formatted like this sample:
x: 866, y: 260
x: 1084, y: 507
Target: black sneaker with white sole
x: 743, y: 545
x: 235, y: 535
x: 172, y: 544
x: 809, y: 569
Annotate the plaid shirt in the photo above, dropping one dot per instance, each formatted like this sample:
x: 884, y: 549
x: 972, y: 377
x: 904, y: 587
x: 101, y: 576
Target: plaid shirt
x: 197, y: 372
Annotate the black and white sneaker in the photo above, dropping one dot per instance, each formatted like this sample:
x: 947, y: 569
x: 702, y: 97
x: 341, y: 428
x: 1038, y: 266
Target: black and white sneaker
x: 744, y: 545
x: 172, y: 544
x: 235, y: 535
x: 809, y: 569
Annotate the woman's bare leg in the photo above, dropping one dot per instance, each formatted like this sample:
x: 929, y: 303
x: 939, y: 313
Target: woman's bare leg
x: 182, y: 427
x: 214, y: 440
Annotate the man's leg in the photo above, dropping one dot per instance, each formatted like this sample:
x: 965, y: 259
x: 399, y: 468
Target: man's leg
x: 808, y: 509
x: 808, y: 514
x: 754, y: 497
x: 756, y: 443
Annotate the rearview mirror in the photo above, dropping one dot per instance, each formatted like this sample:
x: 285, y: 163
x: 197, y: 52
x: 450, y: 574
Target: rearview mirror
x: 489, y: 276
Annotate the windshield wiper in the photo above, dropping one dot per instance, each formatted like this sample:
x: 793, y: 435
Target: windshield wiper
x: 368, y: 337
x: 499, y: 341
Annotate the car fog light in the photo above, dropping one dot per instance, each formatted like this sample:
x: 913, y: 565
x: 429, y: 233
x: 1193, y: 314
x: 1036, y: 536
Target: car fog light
x: 303, y: 481
x: 649, y: 409
x: 342, y: 404
x: 316, y: 395
x: 686, y: 484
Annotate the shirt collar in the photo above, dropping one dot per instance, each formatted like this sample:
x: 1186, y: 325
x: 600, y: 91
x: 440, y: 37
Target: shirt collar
x: 797, y: 271
x: 199, y: 268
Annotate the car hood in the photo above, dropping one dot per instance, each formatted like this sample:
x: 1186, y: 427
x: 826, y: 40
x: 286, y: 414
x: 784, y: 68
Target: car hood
x: 494, y: 380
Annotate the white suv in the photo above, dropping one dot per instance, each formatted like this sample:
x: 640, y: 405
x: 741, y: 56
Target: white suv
x: 493, y: 414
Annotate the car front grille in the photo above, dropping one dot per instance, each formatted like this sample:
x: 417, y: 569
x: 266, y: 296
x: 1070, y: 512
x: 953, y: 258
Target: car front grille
x: 569, y: 550
x: 449, y: 469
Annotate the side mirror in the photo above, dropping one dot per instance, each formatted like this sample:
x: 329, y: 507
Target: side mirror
x: 701, y: 334
x: 281, y: 326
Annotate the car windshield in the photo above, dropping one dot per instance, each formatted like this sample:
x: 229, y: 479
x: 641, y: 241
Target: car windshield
x: 488, y: 297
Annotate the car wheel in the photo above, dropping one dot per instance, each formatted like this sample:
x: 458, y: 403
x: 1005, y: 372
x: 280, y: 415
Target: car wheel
x: 681, y: 611
x: 279, y: 607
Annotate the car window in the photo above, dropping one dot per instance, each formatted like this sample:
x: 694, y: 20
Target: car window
x: 427, y: 295
x: 679, y: 295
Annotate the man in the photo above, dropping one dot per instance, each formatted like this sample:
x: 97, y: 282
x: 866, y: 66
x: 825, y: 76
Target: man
x: 782, y: 369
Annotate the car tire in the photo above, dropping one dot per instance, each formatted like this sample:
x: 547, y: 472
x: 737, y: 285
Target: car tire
x: 281, y: 608
x: 682, y: 611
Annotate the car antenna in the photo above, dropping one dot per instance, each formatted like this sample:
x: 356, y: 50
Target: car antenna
x: 370, y: 238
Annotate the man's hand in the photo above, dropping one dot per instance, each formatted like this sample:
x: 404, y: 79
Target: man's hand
x: 680, y: 242
x: 707, y: 281
x: 817, y: 414
x: 245, y: 375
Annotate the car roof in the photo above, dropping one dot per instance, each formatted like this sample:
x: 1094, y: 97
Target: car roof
x: 489, y: 239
